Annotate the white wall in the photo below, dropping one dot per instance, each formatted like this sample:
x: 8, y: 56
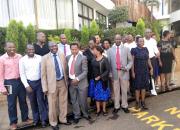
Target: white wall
x: 20, y: 10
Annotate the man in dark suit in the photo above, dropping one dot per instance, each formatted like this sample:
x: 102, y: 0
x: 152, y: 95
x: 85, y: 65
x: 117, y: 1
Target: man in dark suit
x: 77, y: 71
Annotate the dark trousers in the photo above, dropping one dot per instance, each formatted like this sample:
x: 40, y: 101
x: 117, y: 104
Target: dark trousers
x: 154, y: 63
x: 18, y: 91
x: 37, y: 100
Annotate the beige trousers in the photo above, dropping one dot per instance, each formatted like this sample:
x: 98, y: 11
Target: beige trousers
x: 173, y: 71
x: 120, y: 88
x: 58, y: 104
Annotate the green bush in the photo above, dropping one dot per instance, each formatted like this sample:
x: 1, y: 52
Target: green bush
x: 67, y: 32
x: 22, y: 39
x: 119, y: 14
x: 94, y: 29
x: 2, y: 39
x: 140, y: 26
x: 31, y: 34
x: 17, y: 33
x: 112, y: 32
x: 84, y: 35
x: 13, y: 32
x: 53, y: 38
x: 75, y: 33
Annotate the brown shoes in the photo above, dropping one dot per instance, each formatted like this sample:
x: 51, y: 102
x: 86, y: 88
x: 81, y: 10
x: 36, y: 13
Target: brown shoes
x: 28, y: 122
x: 13, y: 127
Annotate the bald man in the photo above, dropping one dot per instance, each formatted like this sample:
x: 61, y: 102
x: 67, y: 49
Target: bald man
x: 11, y: 85
x: 63, y: 46
x: 120, y: 60
x: 130, y: 42
x: 151, y: 45
x: 54, y: 84
x: 30, y: 73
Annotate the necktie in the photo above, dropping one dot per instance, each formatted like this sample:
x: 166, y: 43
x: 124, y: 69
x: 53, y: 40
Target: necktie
x: 65, y: 50
x: 72, y: 66
x: 58, y: 73
x: 118, y: 64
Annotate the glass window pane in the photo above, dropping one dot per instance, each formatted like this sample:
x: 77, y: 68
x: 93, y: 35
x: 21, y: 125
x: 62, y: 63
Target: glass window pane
x: 80, y: 23
x: 90, y: 13
x: 85, y: 11
x: 86, y: 22
x: 80, y: 8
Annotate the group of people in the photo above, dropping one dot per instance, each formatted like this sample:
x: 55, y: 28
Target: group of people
x: 48, y: 72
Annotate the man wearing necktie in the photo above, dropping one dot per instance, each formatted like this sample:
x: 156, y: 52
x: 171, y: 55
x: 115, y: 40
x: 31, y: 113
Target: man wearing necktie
x: 77, y: 71
x: 64, y: 47
x: 120, y: 67
x: 54, y: 84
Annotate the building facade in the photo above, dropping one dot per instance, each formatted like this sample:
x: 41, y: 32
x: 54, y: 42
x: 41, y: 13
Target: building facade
x: 175, y: 17
x: 136, y: 9
x: 53, y: 14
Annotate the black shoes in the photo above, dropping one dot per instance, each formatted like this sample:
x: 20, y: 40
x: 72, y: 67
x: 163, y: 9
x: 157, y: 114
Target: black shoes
x: 88, y: 118
x: 36, y: 123
x: 138, y: 105
x: 116, y: 110
x: 98, y: 113
x: 76, y: 121
x: 44, y: 124
x: 105, y: 113
x: 66, y: 123
x: 55, y: 127
x: 143, y: 105
x: 126, y: 110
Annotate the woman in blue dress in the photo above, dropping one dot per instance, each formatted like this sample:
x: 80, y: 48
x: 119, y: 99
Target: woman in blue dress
x: 99, y: 84
x: 141, y: 70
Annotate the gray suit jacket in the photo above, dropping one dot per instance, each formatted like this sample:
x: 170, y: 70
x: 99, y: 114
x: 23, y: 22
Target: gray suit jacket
x: 125, y: 59
x: 81, y: 70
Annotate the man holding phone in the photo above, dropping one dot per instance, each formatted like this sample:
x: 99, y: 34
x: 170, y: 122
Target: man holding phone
x: 9, y: 76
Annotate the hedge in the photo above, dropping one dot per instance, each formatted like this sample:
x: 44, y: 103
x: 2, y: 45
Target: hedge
x: 112, y: 32
x: 2, y: 39
x: 76, y: 34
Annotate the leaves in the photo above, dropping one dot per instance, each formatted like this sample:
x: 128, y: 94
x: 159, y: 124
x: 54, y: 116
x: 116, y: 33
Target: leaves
x: 140, y: 26
x: 84, y: 35
x: 31, y: 34
x: 119, y: 14
x: 17, y: 33
x: 152, y: 2
x: 94, y: 29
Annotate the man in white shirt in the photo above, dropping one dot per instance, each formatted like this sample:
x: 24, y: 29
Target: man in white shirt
x: 29, y: 67
x: 130, y: 42
x: 64, y: 47
x: 151, y: 45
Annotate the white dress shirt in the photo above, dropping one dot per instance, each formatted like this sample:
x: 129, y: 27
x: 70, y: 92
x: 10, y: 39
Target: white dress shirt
x: 69, y: 65
x: 61, y: 49
x: 151, y: 45
x: 131, y: 45
x: 30, y: 69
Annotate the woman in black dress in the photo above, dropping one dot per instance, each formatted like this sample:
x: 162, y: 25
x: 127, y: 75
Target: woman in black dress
x: 165, y: 61
x: 141, y: 72
x: 100, y: 70
x: 90, y: 56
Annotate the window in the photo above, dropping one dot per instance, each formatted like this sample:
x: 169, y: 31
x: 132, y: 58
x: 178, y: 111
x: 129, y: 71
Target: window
x: 101, y: 20
x: 85, y: 14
